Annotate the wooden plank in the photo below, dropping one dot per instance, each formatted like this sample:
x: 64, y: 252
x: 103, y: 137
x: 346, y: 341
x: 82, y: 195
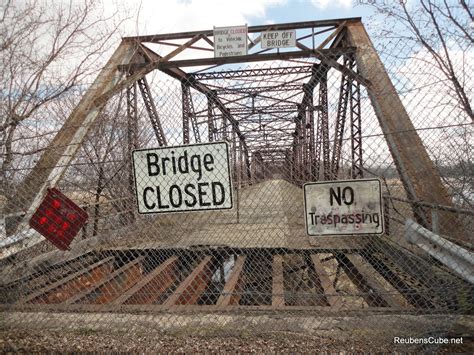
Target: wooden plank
x: 278, y: 296
x: 391, y: 296
x: 190, y: 290
x: 228, y: 295
x: 329, y: 291
x: 112, y: 276
x: 152, y: 286
x: 63, y: 281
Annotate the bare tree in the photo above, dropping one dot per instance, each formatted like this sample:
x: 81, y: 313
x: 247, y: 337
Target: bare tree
x: 47, y: 48
x: 441, y: 28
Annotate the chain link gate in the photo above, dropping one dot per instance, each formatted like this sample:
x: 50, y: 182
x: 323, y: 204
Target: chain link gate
x: 327, y: 111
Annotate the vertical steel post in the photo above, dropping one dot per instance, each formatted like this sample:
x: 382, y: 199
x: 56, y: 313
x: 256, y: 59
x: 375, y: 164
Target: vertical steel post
x: 312, y: 141
x: 132, y: 137
x: 210, y: 116
x: 340, y: 119
x: 186, y: 111
x: 356, y: 129
x: 302, y: 140
x: 323, y: 103
x: 417, y: 171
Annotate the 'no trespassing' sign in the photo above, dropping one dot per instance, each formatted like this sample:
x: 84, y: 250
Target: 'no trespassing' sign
x: 183, y: 178
x: 343, y: 207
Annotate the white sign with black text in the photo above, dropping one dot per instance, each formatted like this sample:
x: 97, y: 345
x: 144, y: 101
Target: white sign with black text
x: 230, y: 41
x: 193, y: 177
x: 343, y: 207
x: 278, y: 39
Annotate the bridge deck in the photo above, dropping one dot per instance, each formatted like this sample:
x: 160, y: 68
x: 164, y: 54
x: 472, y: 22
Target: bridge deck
x: 269, y: 214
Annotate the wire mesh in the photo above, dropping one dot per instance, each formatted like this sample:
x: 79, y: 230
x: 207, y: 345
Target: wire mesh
x: 285, y: 123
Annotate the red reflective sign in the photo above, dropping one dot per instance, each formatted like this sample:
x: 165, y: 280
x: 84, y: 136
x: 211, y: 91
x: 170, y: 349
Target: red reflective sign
x: 58, y: 219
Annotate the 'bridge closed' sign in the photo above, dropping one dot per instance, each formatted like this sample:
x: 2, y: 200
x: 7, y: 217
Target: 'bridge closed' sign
x: 343, y: 207
x: 183, y: 178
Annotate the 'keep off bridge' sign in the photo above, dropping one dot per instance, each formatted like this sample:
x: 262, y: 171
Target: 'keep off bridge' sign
x: 183, y: 178
x: 343, y: 207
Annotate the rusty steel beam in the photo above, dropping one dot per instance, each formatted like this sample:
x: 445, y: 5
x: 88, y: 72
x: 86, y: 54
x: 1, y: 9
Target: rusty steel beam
x: 231, y: 293
x: 132, y: 139
x: 89, y: 274
x: 150, y: 288
x: 152, y: 112
x: 182, y: 47
x: 344, y: 90
x: 300, y: 142
x: 41, y: 276
x: 285, y: 108
x: 257, y: 72
x: 324, y: 127
x: 183, y: 77
x: 415, y: 298
x: 299, y: 136
x: 190, y: 47
x: 357, y: 171
x: 341, y: 27
x: 97, y: 289
x: 312, y: 138
x: 158, y: 308
x: 210, y: 117
x: 417, y: 171
x: 391, y: 296
x: 186, y: 111
x: 132, y: 117
x: 191, y: 289
x: 117, y: 286
x: 260, y: 89
x: 322, y: 54
x: 278, y: 288
x: 79, y: 284
x: 251, y: 29
x: 194, y: 124
x: 303, y: 142
x: 371, y: 290
x: 189, y: 115
x: 61, y: 151
x: 330, y: 292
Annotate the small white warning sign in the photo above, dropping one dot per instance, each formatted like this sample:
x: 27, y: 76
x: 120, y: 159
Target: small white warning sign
x: 278, y: 39
x: 230, y: 41
x: 343, y: 207
x: 183, y: 178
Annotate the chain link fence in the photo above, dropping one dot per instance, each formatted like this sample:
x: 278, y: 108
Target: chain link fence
x: 252, y: 268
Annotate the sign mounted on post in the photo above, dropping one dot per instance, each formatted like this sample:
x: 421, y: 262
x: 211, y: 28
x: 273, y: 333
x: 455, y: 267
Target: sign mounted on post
x: 183, y: 178
x: 278, y: 39
x: 230, y: 41
x: 343, y: 207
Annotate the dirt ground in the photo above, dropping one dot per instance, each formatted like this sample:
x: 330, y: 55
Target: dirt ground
x: 49, y: 332
x: 90, y: 340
